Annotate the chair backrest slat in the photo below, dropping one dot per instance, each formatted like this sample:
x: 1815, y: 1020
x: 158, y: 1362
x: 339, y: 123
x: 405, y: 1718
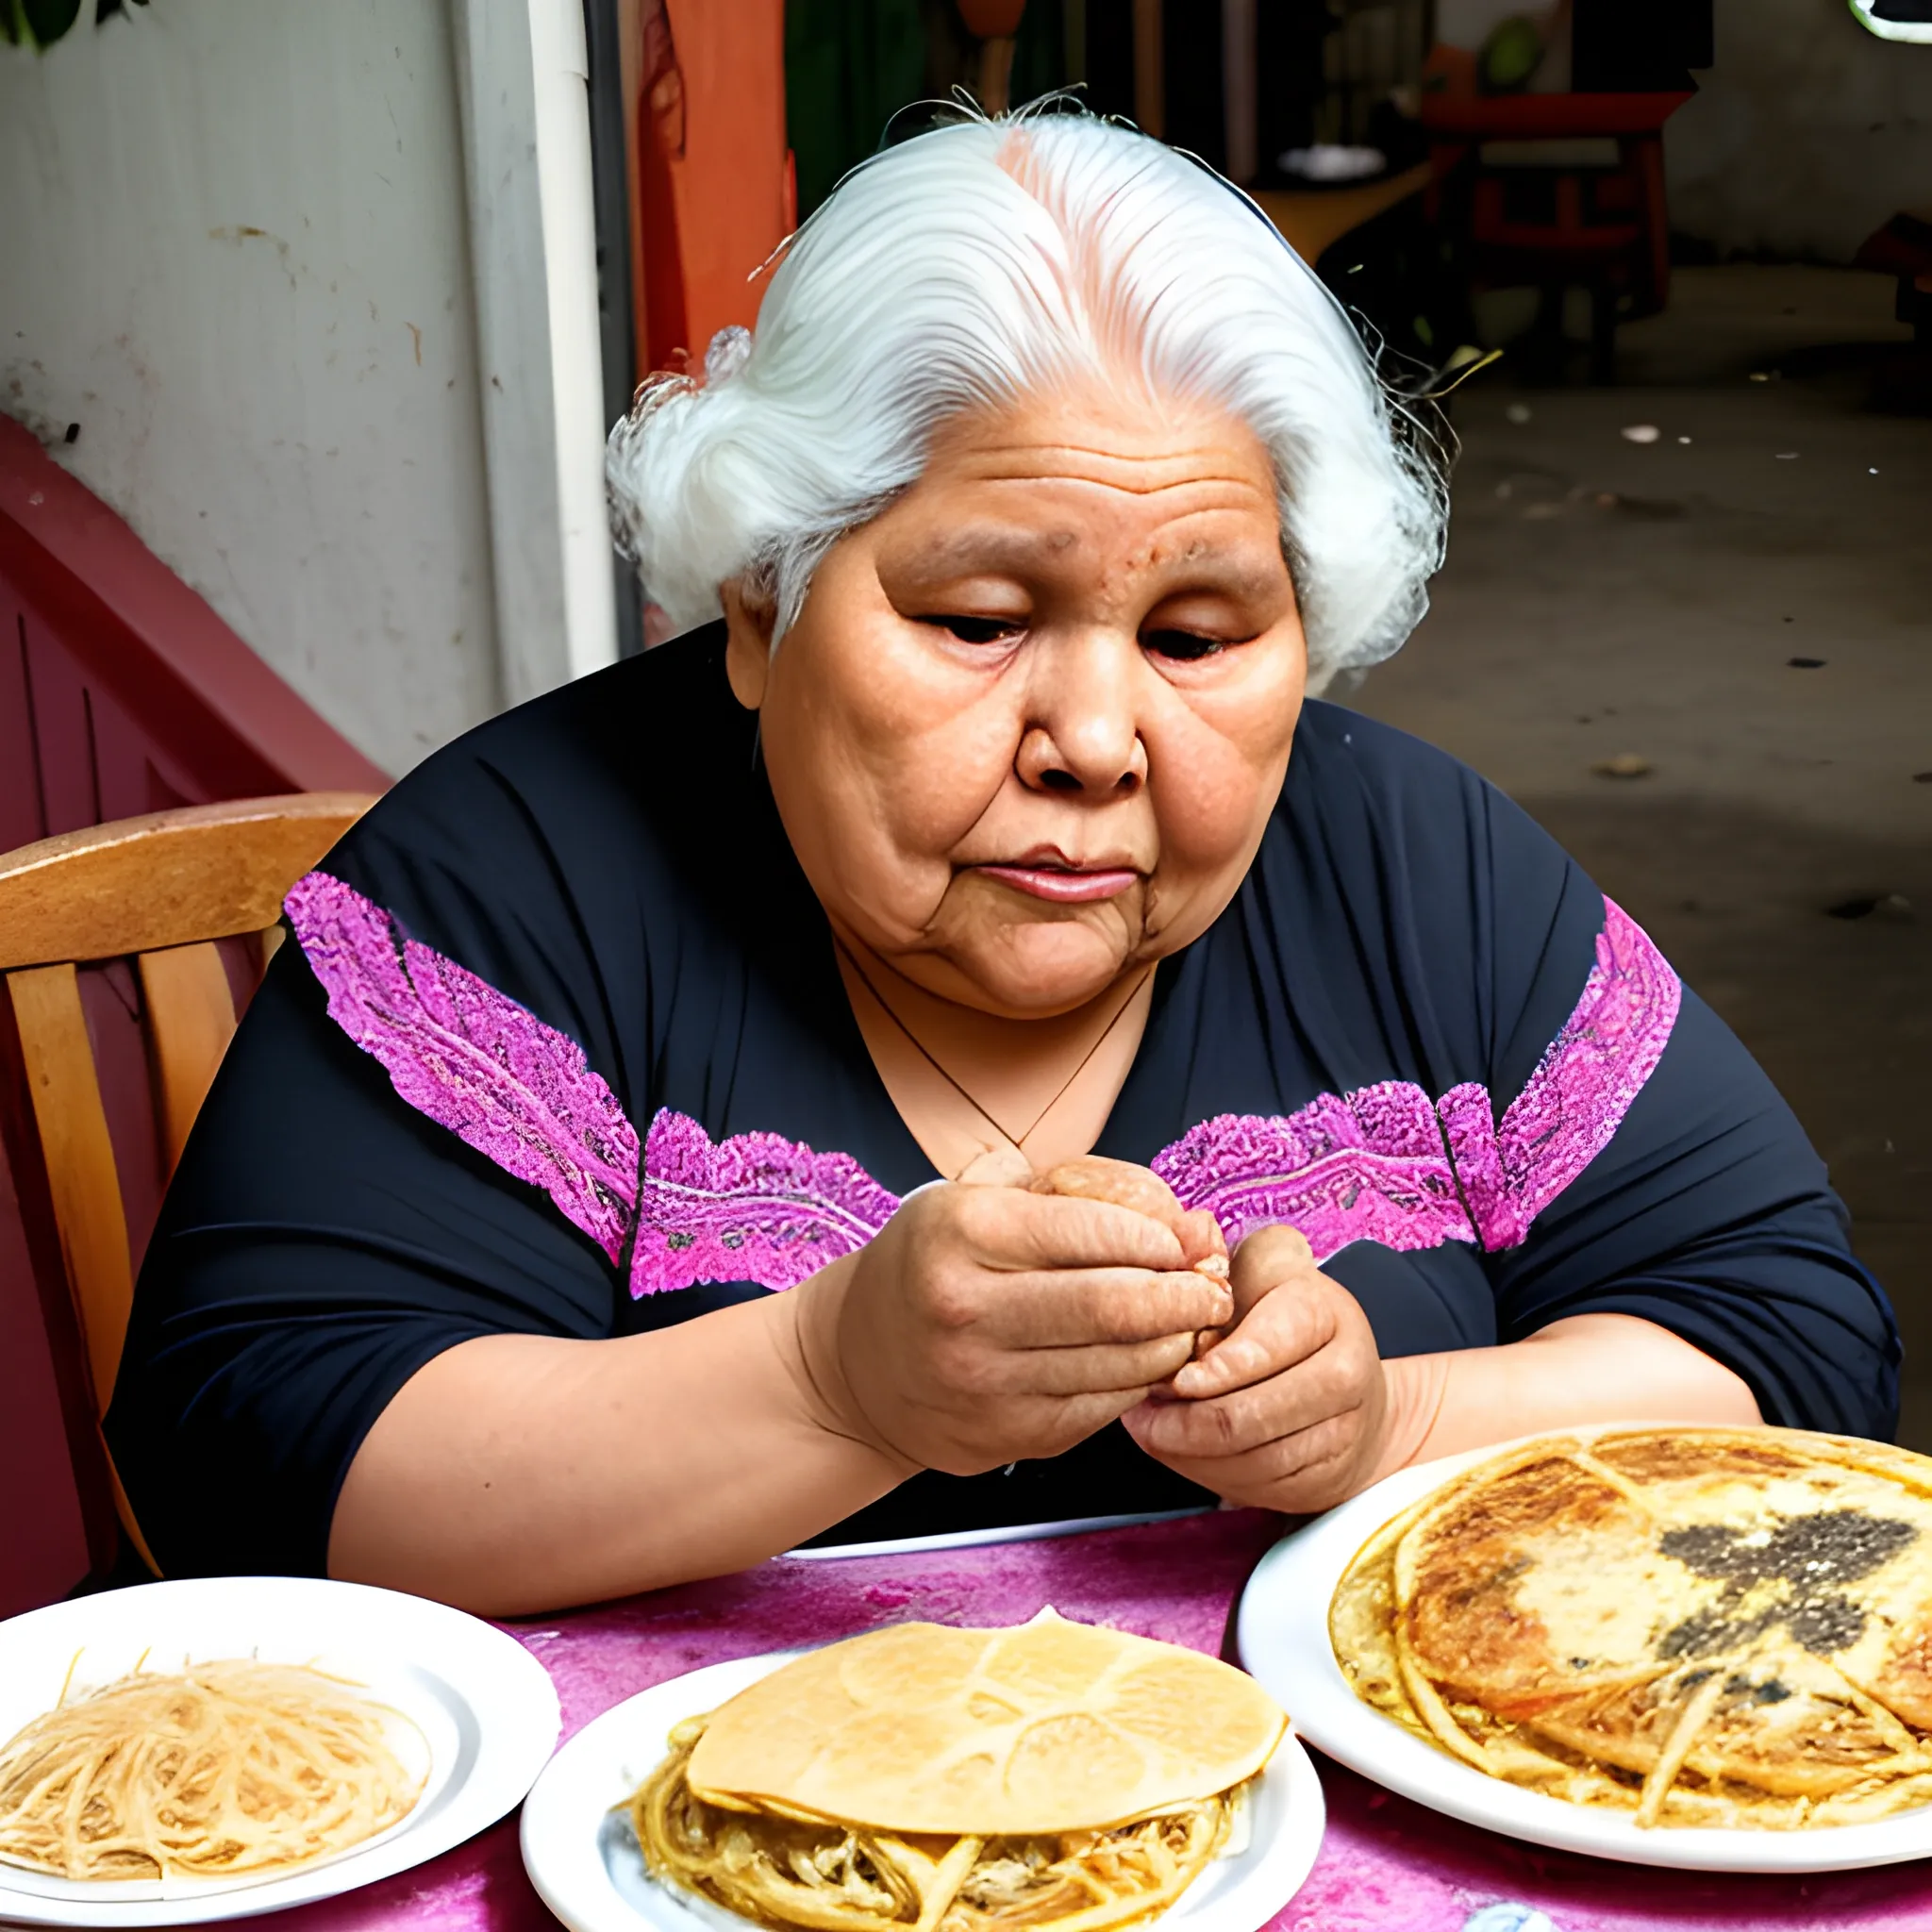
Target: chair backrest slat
x: 190, y: 1018
x: 82, y: 1180
x: 168, y: 879
x: 162, y: 889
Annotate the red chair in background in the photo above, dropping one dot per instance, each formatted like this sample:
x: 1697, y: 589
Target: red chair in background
x: 1556, y: 191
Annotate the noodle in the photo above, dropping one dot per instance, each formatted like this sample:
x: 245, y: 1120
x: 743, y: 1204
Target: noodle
x: 225, y: 1769
x: 1694, y: 1627
x: 785, y: 1873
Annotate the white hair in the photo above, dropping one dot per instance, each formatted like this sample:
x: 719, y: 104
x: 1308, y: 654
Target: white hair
x: 985, y: 260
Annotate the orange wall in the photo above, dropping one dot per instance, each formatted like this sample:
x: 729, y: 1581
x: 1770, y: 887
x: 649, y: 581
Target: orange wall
x: 731, y: 184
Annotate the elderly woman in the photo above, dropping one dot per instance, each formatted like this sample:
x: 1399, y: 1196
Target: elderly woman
x: 621, y: 1180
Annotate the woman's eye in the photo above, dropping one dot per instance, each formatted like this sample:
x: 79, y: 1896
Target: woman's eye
x: 973, y: 630
x: 1184, y: 644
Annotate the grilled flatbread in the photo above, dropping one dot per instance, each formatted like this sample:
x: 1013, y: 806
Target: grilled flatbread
x: 1699, y: 1626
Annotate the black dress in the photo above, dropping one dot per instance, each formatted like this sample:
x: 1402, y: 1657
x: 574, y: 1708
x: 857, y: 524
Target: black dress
x: 564, y: 1050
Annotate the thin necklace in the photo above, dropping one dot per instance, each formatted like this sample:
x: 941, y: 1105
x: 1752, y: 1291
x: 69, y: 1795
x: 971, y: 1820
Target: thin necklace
x: 1015, y: 1140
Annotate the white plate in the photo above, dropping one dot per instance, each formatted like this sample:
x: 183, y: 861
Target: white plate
x: 583, y: 1857
x: 1002, y: 1533
x: 1282, y: 1632
x: 485, y: 1710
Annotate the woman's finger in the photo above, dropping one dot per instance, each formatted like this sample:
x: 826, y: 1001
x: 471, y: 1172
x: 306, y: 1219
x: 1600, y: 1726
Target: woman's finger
x: 1283, y: 1328
x: 1087, y: 1306
x: 1104, y: 1368
x: 1317, y: 1388
x: 998, y: 1167
x: 1015, y: 1229
x: 1094, y: 1178
x: 1308, y: 1469
x: 1269, y: 1257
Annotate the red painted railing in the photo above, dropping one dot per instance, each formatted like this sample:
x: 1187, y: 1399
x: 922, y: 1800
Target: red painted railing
x: 121, y: 691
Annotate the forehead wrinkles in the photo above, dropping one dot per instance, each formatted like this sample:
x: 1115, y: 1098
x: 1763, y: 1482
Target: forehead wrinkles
x: 1156, y: 532
x: 989, y: 460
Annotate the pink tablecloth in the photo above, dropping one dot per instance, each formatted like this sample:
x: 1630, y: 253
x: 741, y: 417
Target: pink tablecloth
x: 1387, y: 1864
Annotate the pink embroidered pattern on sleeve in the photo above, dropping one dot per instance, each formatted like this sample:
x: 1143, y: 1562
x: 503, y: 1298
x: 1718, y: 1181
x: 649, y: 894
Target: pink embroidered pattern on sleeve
x: 1374, y: 1164
x: 473, y: 1061
x: 1364, y: 1166
x: 1572, y: 1105
x: 749, y: 1207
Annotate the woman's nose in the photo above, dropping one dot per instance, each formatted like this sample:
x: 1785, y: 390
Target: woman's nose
x: 1084, y: 733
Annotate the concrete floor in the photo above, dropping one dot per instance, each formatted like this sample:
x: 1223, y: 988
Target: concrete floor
x: 1606, y: 596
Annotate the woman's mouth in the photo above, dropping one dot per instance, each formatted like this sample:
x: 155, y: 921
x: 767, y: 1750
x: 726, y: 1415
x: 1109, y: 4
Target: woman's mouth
x: 1064, y: 885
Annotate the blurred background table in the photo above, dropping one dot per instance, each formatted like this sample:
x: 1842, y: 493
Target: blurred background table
x: 1314, y: 218
x: 1387, y: 1865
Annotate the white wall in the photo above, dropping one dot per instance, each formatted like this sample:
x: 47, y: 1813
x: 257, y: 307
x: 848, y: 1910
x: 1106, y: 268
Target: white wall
x: 1807, y: 135
x: 522, y: 79
x: 233, y: 249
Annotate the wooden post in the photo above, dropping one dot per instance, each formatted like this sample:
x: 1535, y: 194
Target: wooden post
x: 1150, y: 67
x: 1240, y: 57
x: 995, y: 73
x: 995, y: 23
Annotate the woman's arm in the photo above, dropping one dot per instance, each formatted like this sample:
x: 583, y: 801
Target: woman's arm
x: 1585, y: 1369
x: 984, y: 1325
x: 515, y: 1472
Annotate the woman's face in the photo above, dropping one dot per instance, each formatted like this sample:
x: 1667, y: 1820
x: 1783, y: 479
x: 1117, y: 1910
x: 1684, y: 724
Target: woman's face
x: 1027, y: 730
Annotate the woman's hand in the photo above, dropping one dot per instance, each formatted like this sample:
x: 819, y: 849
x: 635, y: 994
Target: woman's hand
x: 990, y: 1324
x: 1289, y: 1411
x: 1095, y: 1177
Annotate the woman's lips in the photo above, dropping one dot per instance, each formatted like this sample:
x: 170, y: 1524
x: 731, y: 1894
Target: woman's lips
x: 1062, y: 884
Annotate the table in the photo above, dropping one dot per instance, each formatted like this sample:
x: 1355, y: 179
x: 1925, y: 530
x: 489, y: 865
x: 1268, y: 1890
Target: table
x: 1387, y: 1865
x: 1314, y: 219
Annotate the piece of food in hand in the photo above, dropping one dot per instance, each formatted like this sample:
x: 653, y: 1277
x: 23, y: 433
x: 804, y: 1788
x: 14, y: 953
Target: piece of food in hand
x: 1697, y: 1626
x: 921, y: 1776
x: 222, y: 1770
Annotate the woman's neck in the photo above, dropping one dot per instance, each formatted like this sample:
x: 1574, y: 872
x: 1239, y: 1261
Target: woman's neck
x: 969, y: 1083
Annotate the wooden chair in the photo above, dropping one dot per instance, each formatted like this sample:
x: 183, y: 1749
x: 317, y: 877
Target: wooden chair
x: 163, y: 889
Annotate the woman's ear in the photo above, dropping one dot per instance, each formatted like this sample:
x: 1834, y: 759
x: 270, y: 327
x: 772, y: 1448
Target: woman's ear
x: 748, y: 623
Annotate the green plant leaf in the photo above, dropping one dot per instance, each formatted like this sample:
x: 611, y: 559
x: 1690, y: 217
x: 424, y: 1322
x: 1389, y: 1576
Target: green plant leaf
x: 47, y: 20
